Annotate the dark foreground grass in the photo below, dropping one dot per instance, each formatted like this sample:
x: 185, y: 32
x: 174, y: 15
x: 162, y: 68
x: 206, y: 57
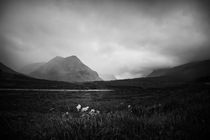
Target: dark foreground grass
x: 169, y: 113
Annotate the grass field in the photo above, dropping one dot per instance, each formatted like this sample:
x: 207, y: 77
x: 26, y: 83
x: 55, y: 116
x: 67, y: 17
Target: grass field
x: 154, y: 113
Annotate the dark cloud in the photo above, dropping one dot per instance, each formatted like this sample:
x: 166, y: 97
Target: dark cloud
x: 130, y: 37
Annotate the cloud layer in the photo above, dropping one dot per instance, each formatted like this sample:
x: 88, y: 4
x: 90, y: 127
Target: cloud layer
x: 127, y: 39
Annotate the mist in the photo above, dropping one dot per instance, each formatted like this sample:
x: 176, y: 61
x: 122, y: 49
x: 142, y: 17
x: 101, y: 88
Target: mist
x: 127, y: 39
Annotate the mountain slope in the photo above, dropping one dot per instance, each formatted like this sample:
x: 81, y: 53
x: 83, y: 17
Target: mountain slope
x: 174, y: 77
x: 190, y: 71
x: 12, y: 79
x: 158, y: 72
x: 186, y: 72
x: 6, y: 70
x: 27, y: 69
x: 69, y: 69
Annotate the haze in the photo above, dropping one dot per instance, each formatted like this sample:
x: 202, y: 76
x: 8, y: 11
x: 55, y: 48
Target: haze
x: 125, y: 38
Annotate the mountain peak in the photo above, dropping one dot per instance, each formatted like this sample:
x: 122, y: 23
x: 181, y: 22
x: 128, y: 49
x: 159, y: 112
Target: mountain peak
x: 73, y: 58
x: 57, y: 57
x: 69, y: 69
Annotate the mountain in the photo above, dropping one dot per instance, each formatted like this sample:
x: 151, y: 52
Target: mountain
x: 195, y: 72
x: 173, y: 77
x: 158, y: 72
x: 8, y: 74
x: 27, y: 69
x: 190, y: 71
x: 69, y: 69
x: 6, y: 70
x: 12, y: 79
x: 107, y: 77
x: 187, y: 72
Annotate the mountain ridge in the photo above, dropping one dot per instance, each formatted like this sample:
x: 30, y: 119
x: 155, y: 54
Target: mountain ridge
x: 189, y: 71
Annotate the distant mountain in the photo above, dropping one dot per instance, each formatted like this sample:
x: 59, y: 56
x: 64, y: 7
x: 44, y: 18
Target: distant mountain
x: 12, y: 79
x: 69, y: 69
x: 173, y: 77
x: 107, y: 77
x: 27, y: 69
x: 158, y: 72
x: 7, y: 74
x: 186, y: 72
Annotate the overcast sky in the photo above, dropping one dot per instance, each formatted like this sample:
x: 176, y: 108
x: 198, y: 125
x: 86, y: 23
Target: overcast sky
x: 126, y: 38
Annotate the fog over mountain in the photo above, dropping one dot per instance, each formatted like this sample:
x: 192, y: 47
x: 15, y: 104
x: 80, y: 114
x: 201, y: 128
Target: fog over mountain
x: 107, y: 77
x: 5, y: 69
x: 69, y: 69
x: 27, y: 69
x: 123, y: 38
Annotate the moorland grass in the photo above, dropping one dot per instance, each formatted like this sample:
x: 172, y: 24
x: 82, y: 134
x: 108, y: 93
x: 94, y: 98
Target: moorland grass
x: 180, y: 113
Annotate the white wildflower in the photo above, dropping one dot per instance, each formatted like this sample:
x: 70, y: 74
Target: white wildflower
x: 67, y: 113
x: 84, y: 109
x: 129, y: 106
x: 97, y: 112
x: 78, y: 107
x: 92, y: 112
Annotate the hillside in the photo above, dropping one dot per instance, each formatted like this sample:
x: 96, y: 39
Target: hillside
x: 12, y: 79
x: 180, y: 75
x: 27, y: 69
x: 186, y: 72
x: 69, y: 69
x: 158, y: 72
